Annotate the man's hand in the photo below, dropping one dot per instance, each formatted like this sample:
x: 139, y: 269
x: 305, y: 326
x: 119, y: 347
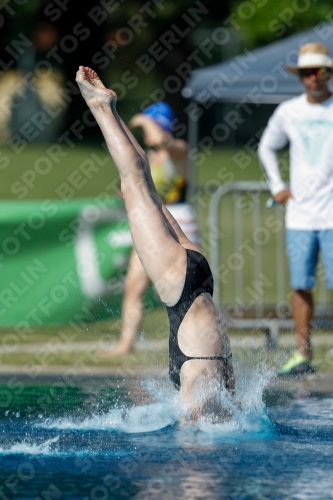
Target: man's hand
x: 283, y: 196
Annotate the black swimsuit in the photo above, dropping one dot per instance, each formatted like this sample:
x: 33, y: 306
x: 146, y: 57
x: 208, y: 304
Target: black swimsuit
x: 198, y: 280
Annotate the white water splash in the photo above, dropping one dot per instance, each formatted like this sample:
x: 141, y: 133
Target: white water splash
x: 247, y: 417
x: 138, y: 419
x: 27, y: 448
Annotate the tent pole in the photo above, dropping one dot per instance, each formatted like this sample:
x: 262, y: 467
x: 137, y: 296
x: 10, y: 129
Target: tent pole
x: 192, y: 141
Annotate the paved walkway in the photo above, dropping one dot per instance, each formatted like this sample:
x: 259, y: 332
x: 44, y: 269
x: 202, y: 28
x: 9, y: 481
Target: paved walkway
x: 316, y: 382
x: 322, y: 382
x: 244, y: 341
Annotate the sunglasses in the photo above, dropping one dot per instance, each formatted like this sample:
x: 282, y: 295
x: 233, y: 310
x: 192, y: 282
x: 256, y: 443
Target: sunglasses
x: 319, y: 72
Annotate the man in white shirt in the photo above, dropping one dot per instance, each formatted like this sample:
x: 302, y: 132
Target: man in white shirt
x: 306, y: 122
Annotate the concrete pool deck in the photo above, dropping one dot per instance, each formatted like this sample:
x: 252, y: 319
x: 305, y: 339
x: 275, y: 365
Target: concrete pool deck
x: 321, y: 381
x: 240, y: 341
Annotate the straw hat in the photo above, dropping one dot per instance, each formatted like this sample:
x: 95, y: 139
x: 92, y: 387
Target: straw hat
x: 311, y: 55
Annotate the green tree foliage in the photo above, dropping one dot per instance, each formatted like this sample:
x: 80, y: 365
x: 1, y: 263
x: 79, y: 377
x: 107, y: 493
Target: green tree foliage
x: 17, y: 18
x: 113, y: 36
x: 264, y: 21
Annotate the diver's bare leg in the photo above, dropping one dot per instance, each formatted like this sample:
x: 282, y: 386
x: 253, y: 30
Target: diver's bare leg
x: 172, y: 223
x: 162, y: 256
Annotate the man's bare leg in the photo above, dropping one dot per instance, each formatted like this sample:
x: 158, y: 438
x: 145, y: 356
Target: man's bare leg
x: 136, y: 284
x: 302, y: 304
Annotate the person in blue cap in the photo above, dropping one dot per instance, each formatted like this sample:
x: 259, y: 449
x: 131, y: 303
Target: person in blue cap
x: 167, y: 156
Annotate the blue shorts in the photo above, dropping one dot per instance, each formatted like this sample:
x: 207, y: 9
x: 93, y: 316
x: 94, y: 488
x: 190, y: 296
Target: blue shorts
x: 303, y: 250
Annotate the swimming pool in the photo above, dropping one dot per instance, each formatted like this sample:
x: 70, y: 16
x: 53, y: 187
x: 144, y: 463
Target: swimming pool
x: 109, y: 438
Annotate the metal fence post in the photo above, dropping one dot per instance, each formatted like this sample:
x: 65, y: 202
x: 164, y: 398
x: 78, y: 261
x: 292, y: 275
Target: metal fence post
x: 270, y: 325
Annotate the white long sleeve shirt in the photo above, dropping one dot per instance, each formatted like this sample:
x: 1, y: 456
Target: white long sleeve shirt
x: 309, y: 130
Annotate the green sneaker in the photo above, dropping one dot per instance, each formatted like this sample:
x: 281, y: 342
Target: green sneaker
x: 297, y: 364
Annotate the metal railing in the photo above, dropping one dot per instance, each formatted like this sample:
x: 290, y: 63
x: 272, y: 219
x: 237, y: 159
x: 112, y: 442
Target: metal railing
x: 253, y: 247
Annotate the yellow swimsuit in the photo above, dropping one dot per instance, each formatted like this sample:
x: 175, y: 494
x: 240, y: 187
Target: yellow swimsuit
x: 170, y: 185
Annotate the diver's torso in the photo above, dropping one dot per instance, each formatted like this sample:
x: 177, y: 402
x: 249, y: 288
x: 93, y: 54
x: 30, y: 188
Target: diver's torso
x: 202, y: 332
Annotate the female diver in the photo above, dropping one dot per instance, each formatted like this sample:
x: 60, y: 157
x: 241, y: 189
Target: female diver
x: 199, y: 350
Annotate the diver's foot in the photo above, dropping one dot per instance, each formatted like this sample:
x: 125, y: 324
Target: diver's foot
x: 93, y: 90
x: 119, y: 350
x: 296, y: 366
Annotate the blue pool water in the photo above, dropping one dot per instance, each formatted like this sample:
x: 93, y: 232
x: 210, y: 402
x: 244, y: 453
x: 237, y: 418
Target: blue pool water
x: 110, y: 438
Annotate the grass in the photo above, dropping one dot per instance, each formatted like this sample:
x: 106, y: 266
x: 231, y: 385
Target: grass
x: 40, y: 170
x: 36, y: 173
x: 107, y: 330
x: 79, y: 359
